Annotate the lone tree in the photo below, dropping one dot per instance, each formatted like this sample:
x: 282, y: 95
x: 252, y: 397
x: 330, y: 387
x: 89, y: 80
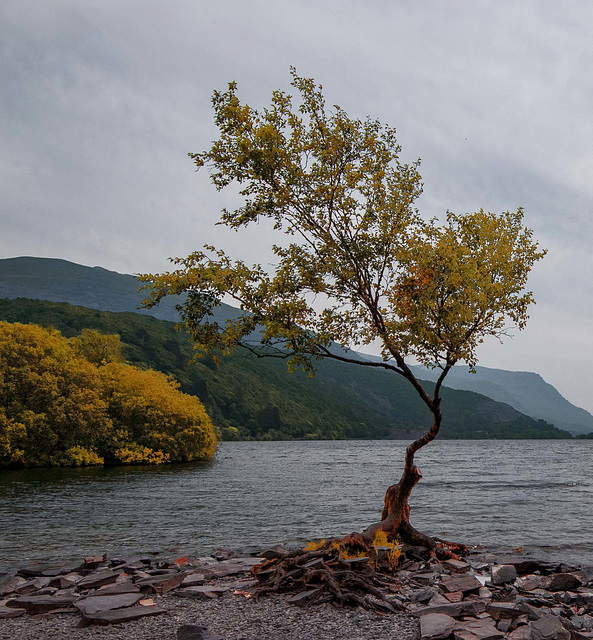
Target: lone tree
x: 358, y: 265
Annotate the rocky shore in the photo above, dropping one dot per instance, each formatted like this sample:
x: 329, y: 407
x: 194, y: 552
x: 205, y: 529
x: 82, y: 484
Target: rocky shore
x: 482, y: 597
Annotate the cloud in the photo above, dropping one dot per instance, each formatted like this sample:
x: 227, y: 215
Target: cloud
x: 100, y: 103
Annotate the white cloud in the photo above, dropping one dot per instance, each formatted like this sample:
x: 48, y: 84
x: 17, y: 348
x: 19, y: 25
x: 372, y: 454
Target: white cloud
x: 100, y: 102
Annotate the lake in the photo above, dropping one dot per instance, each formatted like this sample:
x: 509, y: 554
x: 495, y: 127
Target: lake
x: 531, y: 493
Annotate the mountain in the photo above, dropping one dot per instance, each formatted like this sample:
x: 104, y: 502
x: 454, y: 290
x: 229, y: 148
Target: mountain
x: 97, y: 288
x: 250, y: 397
x: 527, y: 392
x: 93, y: 287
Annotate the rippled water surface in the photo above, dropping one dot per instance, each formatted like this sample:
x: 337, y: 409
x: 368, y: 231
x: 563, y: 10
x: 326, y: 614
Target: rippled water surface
x: 528, y: 493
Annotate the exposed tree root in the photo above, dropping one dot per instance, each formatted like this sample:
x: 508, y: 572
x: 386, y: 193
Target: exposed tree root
x: 350, y: 571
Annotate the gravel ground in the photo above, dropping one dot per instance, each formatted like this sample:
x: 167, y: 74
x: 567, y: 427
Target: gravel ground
x: 233, y: 617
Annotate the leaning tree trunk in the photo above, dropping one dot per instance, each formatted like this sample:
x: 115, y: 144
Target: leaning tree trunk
x: 395, y: 518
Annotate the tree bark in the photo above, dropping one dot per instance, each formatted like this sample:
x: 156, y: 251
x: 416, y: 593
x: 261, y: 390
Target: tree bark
x: 395, y: 518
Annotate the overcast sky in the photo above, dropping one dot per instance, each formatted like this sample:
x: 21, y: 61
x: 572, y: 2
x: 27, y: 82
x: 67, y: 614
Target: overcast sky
x: 101, y: 101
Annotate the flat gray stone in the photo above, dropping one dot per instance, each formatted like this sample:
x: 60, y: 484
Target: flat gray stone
x: 422, y: 595
x: 463, y: 582
x: 503, y: 574
x: 204, y: 592
x: 499, y: 610
x: 548, y: 627
x: 453, y: 609
x: 477, y: 630
x: 41, y: 604
x: 436, y: 626
x: 9, y: 584
x: 456, y: 566
x: 95, y: 604
x: 7, y: 612
x: 230, y: 567
x: 520, y: 633
x: 193, y: 580
x: 195, y: 632
x: 563, y: 582
x: 161, y: 584
x: 117, y: 587
x: 98, y: 579
x: 117, y: 616
x: 301, y: 599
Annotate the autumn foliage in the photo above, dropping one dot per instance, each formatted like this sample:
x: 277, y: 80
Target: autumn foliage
x: 74, y: 402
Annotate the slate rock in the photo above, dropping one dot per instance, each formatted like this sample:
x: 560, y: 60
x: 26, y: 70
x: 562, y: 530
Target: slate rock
x: 548, y: 627
x: 438, y: 599
x: 503, y: 574
x: 116, y: 616
x: 454, y: 596
x: 530, y: 582
x: 223, y: 554
x: 524, y: 565
x: 272, y: 553
x: 32, y: 571
x: 95, y: 580
x: 457, y: 566
x: 7, y: 612
x: 532, y: 613
x: 499, y: 610
x: 422, y: 595
x: 583, y: 623
x: 204, y: 592
x: 301, y: 599
x: 426, y: 578
x: 41, y: 604
x: 357, y: 563
x: 9, y: 584
x: 563, y: 582
x: 66, y: 581
x: 161, y: 584
x: 485, y: 593
x: 195, y: 632
x: 230, y: 567
x: 436, y: 626
x: 33, y: 585
x: 520, y: 633
x: 117, y: 587
x: 504, y: 625
x: 136, y: 565
x: 453, y: 609
x: 193, y: 580
x: 566, y: 597
x: 465, y: 583
x: 95, y: 604
x: 476, y: 630
x: 92, y: 562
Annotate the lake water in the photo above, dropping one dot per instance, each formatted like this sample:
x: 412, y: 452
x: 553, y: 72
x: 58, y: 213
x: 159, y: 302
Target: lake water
x: 512, y: 493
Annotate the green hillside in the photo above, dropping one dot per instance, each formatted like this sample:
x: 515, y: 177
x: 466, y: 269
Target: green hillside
x: 249, y: 397
x: 97, y: 288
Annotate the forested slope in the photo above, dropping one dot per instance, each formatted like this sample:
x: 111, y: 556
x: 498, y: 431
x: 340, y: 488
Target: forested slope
x: 256, y: 398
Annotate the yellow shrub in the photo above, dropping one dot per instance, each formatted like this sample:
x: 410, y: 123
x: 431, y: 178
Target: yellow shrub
x: 77, y: 457
x: 136, y: 454
x: 381, y: 540
x: 73, y: 402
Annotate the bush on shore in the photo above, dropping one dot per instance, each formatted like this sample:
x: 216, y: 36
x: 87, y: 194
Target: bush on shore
x: 75, y: 402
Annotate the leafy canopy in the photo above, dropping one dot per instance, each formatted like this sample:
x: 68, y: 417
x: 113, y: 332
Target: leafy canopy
x: 357, y: 263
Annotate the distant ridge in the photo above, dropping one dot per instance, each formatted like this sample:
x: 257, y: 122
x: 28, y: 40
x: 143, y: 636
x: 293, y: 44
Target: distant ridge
x: 527, y: 392
x: 59, y: 280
